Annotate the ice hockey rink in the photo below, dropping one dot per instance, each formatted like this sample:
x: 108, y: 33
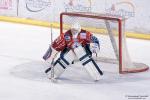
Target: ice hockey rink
x: 22, y: 70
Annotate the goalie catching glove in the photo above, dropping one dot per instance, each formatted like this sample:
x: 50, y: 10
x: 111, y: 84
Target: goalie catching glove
x: 94, y: 47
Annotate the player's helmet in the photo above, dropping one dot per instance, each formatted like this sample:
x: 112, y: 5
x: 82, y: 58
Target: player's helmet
x: 75, y: 28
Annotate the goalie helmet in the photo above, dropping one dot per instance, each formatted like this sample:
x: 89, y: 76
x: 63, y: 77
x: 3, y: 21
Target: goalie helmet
x: 75, y: 28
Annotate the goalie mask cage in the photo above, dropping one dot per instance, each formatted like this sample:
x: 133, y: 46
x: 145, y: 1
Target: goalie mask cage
x: 111, y: 33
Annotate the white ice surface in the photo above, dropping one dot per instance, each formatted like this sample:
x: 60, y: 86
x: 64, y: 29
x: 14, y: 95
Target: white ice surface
x: 22, y: 70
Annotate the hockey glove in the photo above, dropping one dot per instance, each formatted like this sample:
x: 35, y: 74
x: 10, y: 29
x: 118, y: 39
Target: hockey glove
x: 94, y: 47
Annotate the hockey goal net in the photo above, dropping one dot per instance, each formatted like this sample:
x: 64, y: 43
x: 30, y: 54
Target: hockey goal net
x: 111, y: 34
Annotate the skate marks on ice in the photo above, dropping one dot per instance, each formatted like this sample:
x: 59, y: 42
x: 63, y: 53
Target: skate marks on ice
x: 75, y: 74
x: 32, y: 70
x: 35, y: 71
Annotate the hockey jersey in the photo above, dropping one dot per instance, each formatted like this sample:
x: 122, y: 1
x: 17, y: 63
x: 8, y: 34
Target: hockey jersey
x: 67, y: 40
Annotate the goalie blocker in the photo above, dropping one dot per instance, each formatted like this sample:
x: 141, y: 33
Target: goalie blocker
x: 66, y: 58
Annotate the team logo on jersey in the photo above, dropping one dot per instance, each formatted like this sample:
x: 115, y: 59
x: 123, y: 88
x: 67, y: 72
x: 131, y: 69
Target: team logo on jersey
x: 67, y: 38
x: 83, y: 35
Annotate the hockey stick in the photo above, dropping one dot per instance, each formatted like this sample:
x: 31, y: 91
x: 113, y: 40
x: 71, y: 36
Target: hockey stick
x: 52, y: 63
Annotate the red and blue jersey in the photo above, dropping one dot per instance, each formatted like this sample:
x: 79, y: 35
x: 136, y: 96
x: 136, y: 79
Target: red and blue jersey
x: 66, y: 40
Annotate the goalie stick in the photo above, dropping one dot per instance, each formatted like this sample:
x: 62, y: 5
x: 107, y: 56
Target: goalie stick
x: 51, y: 67
x: 52, y: 63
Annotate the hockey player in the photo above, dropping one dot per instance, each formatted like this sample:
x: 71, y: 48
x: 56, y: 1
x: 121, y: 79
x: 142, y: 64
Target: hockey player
x: 76, y: 42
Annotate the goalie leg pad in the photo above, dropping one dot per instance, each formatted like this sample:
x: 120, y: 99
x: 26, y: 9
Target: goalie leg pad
x: 89, y: 64
x: 92, y: 68
x: 68, y: 57
x: 59, y: 67
x: 61, y: 64
x: 94, y: 63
